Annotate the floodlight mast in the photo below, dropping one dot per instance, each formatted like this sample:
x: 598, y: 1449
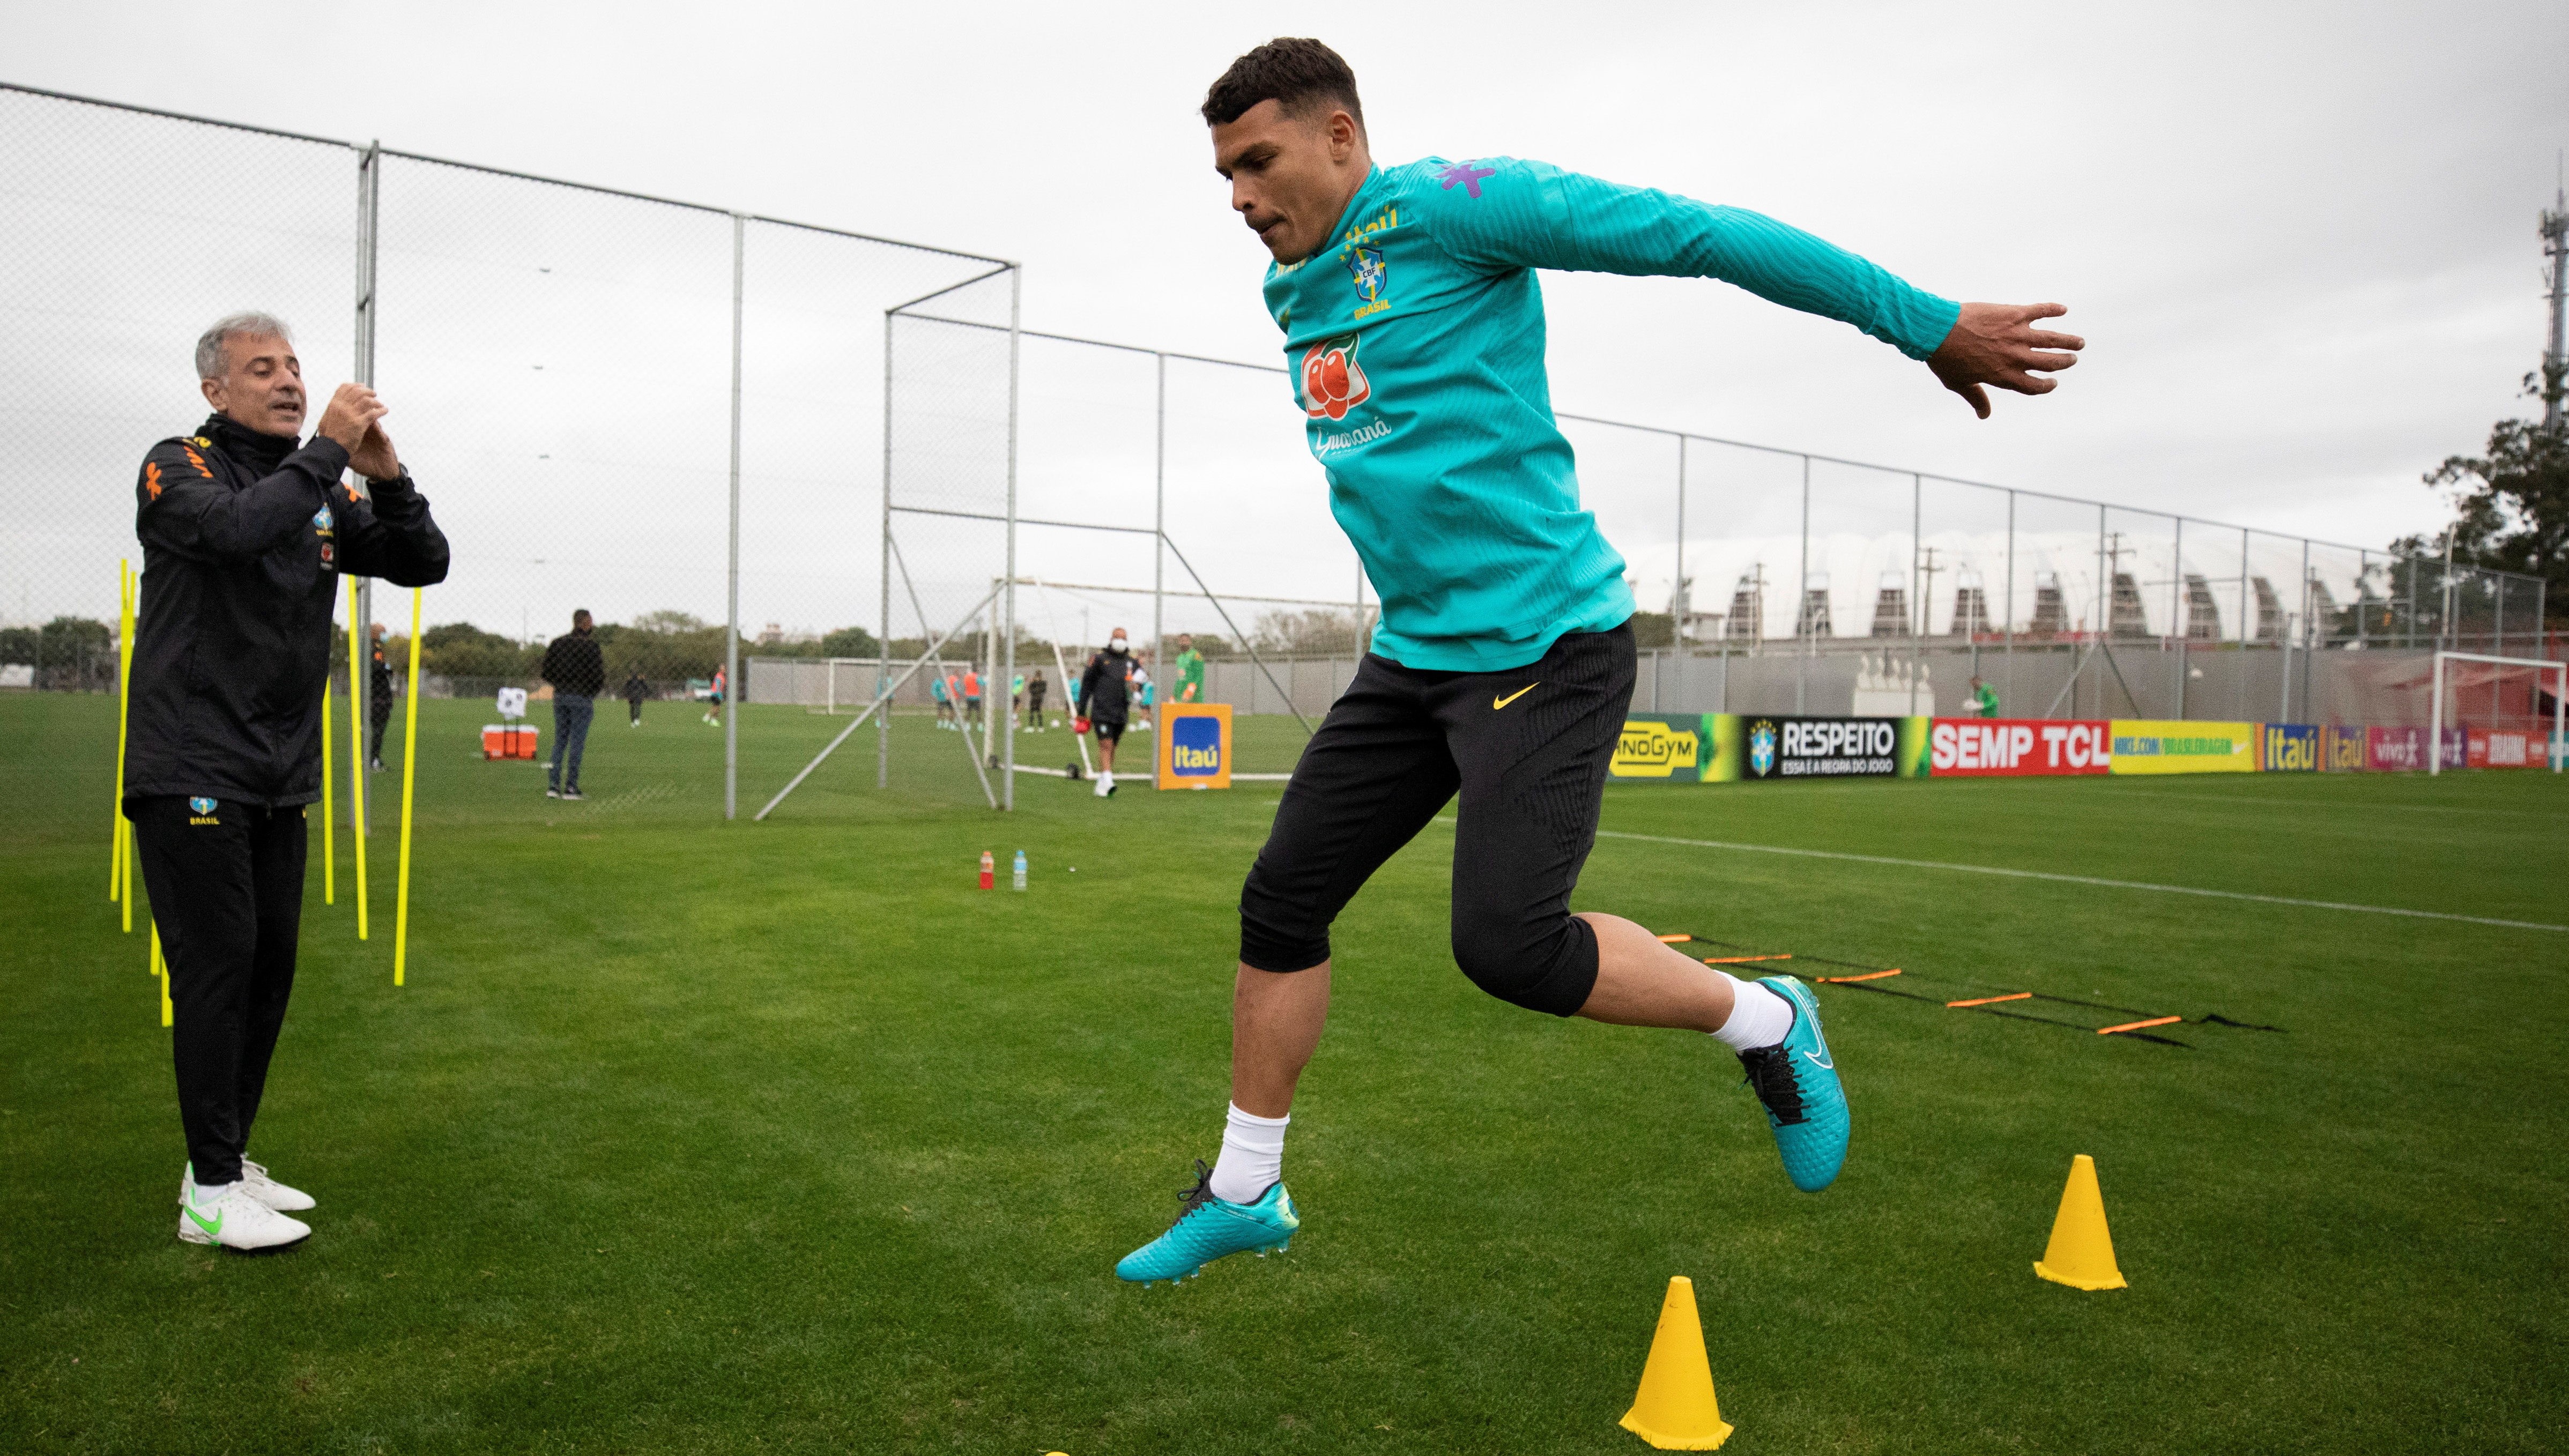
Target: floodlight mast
x: 2555, y: 360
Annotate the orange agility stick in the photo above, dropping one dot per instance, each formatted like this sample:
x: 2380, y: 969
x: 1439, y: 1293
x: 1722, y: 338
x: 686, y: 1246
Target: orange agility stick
x: 2137, y: 1025
x: 1987, y: 1000
x: 1740, y: 959
x: 1675, y: 939
x: 1833, y: 981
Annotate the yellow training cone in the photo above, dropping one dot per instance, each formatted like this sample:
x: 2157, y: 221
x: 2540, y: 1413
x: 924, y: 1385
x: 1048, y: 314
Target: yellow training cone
x: 1675, y: 1410
x: 2081, y: 1252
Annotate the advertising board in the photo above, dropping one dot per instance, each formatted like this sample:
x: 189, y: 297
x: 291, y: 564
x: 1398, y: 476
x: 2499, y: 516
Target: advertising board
x: 2392, y: 749
x: 2174, y: 746
x: 1676, y: 748
x: 1988, y: 747
x: 2498, y: 748
x: 2289, y: 748
x: 1194, y: 746
x: 1831, y: 748
x: 2454, y: 752
x: 2342, y: 748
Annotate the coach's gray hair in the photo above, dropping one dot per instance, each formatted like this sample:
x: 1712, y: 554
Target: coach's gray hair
x: 254, y: 325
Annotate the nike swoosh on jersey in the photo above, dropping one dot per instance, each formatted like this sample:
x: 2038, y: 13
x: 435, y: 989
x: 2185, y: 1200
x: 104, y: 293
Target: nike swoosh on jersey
x: 1495, y: 703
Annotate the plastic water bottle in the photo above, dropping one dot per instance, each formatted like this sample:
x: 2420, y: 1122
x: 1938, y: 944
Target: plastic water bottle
x: 1017, y: 876
x: 988, y: 868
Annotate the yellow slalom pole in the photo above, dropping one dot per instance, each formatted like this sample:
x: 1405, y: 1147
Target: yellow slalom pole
x: 356, y: 753
x: 124, y: 696
x: 409, y: 772
x: 329, y: 844
x: 161, y: 974
x: 128, y: 858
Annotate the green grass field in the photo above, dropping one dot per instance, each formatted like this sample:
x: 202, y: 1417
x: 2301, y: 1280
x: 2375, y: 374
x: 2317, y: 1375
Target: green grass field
x: 693, y: 1136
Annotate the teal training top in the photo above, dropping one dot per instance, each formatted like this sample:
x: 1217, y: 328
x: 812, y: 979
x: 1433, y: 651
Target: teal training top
x: 1416, y: 341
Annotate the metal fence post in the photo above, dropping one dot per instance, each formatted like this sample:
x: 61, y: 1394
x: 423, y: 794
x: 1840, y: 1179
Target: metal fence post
x: 1802, y: 601
x: 2007, y: 625
x: 882, y: 644
x: 1008, y: 649
x: 1916, y: 549
x: 1684, y: 601
x: 1159, y: 525
x: 731, y: 629
x: 2180, y: 614
x: 361, y: 635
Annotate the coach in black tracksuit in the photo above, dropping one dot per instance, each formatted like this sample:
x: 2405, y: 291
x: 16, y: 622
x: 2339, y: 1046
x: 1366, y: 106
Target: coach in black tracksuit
x: 245, y: 532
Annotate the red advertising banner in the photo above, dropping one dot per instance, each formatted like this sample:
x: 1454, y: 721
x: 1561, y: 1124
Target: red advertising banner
x: 1988, y: 747
x: 2395, y: 748
x: 2492, y: 748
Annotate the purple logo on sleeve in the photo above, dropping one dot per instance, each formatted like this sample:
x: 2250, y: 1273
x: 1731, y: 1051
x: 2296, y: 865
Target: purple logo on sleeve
x: 1466, y: 173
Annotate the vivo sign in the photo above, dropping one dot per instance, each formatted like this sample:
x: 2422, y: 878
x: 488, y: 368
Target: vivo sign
x: 1988, y: 747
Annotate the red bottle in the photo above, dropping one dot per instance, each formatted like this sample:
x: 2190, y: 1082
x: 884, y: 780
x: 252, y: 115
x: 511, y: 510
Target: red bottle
x: 987, y: 868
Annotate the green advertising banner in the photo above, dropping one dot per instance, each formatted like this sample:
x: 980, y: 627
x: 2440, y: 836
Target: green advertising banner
x: 1666, y: 748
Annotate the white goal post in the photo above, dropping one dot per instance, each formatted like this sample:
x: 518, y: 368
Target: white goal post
x: 2552, y: 750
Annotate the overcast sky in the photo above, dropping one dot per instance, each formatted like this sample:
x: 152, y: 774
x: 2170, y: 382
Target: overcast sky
x: 2300, y: 239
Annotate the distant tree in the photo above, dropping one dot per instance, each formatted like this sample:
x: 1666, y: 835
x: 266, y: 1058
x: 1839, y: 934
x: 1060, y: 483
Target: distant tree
x: 847, y: 643
x: 1653, y: 629
x: 2511, y: 505
x: 1317, y: 632
x: 461, y: 649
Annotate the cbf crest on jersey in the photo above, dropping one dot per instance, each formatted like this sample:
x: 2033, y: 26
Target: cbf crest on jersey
x: 1370, y: 274
x: 202, y: 806
x: 321, y: 517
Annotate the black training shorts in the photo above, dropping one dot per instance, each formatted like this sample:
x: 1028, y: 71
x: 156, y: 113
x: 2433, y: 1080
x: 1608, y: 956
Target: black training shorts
x: 1526, y: 748
x: 1108, y: 730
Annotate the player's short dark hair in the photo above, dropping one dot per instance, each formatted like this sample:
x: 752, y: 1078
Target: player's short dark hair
x: 1295, y: 72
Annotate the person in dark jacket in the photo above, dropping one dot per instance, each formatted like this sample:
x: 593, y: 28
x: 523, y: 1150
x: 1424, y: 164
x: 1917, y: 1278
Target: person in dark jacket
x: 1105, y: 698
x: 245, y: 532
x: 636, y: 688
x: 379, y: 698
x: 577, y: 671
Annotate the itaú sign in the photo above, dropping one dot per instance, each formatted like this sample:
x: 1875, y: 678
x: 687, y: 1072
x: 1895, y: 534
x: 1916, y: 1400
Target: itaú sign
x: 1989, y: 747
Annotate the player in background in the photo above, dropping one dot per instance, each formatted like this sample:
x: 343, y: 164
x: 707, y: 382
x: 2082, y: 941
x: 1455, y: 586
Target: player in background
x: 1017, y: 700
x: 1190, y: 684
x: 972, y: 696
x: 1037, y: 687
x: 944, y: 702
x: 1503, y: 664
x: 714, y: 697
x: 1106, y: 698
x: 1145, y: 694
x: 1984, y: 699
x: 636, y: 688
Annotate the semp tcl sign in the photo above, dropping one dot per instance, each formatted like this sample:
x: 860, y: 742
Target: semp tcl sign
x: 1988, y: 747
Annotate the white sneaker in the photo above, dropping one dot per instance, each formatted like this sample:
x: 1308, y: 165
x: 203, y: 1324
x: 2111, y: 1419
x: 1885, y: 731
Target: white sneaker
x: 1105, y: 785
x: 235, y: 1220
x: 255, y: 1182
x: 284, y: 1200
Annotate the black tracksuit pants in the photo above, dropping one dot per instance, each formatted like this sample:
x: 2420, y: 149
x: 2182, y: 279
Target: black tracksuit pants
x: 1525, y: 750
x: 226, y: 888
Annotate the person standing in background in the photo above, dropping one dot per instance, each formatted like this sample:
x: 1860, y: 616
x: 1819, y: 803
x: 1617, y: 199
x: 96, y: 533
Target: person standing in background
x: 1105, y: 697
x: 1034, y: 702
x: 1984, y: 699
x: 714, y: 696
x: 1016, y: 698
x: 246, y: 531
x: 635, y: 690
x: 972, y: 695
x: 577, y: 671
x: 1190, y: 684
x: 379, y: 698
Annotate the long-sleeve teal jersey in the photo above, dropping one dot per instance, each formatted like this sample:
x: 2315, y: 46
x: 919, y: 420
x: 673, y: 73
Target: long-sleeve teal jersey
x: 1416, y: 344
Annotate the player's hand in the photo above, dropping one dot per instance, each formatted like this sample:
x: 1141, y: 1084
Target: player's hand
x: 1997, y: 344
x: 352, y: 411
x: 373, y: 457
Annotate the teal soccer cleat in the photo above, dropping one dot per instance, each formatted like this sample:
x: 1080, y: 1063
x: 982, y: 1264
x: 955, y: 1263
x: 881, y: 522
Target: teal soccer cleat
x: 1209, y: 1227
x: 1797, y: 1080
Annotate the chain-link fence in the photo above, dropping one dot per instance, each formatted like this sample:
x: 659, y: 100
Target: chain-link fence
x: 734, y: 439
x: 666, y: 414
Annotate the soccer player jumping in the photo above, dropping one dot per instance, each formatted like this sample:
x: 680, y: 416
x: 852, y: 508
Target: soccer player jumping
x: 1503, y: 665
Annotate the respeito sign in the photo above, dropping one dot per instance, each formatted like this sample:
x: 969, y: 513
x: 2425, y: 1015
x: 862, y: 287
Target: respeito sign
x: 1832, y: 748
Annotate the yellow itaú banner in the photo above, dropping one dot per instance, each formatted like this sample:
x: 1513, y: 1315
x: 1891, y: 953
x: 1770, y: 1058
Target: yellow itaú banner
x: 2159, y: 746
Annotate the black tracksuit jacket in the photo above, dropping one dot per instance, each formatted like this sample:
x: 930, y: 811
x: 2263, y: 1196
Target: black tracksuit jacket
x: 1106, y: 688
x: 244, y: 536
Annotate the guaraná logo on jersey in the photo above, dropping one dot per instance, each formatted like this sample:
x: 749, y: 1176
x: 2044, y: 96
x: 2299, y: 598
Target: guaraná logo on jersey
x: 1332, y: 383
x: 1761, y: 749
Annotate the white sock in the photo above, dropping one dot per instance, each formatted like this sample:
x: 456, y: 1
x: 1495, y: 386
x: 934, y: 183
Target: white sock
x: 1252, y: 1156
x: 1758, y: 1016
x: 206, y: 1193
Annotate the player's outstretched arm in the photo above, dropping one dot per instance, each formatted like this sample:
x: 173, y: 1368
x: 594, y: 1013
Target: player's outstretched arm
x: 1997, y: 344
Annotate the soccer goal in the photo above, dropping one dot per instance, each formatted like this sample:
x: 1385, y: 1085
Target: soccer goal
x: 2500, y: 711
